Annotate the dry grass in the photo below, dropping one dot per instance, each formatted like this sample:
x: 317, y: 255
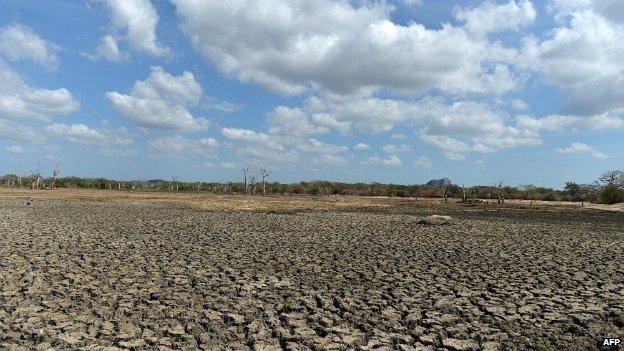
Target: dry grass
x: 212, y: 202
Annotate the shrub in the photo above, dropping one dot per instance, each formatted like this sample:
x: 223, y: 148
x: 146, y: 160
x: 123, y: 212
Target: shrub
x: 611, y: 194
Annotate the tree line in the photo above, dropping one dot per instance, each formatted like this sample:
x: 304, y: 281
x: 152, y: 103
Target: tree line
x: 608, y: 188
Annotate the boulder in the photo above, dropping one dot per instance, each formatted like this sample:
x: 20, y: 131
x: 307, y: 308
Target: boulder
x: 436, y: 220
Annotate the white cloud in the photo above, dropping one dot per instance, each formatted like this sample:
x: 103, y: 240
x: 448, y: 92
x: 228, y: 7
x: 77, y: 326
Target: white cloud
x: 580, y: 148
x: 137, y: 19
x: 612, y: 9
x: 293, y: 46
x: 361, y: 147
x: 583, y: 57
x: 490, y: 17
x: 334, y: 160
x: 108, y: 49
x: 11, y: 130
x: 18, y: 42
x: 519, y: 105
x: 82, y: 134
x: 222, y: 105
x: 394, y: 149
x: 392, y: 160
x: 569, y: 123
x: 315, y: 146
x: 422, y: 162
x: 15, y: 149
x: 178, y: 146
x: 279, y: 147
x: 286, y: 120
x: 398, y: 136
x: 203, y: 165
x: 161, y: 102
x: 20, y: 101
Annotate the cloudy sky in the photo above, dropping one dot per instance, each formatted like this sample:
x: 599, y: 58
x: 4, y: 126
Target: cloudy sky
x: 389, y: 91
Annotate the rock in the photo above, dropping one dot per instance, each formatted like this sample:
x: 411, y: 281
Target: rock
x: 460, y: 345
x: 133, y: 344
x: 176, y: 330
x: 436, y: 220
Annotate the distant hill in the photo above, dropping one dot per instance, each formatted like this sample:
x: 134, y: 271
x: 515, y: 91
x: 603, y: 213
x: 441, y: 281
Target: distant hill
x: 439, y: 183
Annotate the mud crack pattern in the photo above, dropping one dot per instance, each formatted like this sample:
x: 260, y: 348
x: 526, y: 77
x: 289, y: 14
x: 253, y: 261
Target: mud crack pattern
x: 111, y: 276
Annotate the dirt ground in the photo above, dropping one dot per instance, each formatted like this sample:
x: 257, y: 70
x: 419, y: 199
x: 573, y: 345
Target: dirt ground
x: 105, y: 270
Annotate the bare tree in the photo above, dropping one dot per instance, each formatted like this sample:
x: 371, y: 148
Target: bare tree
x: 499, y: 190
x: 245, y: 173
x: 265, y: 173
x: 35, y: 178
x: 252, y: 185
x: 55, y: 172
x: 463, y: 193
x: 174, y: 183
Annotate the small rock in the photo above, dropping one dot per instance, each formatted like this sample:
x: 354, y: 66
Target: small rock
x: 460, y: 345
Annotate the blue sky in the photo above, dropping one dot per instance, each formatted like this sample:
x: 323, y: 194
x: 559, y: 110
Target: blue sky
x: 354, y: 91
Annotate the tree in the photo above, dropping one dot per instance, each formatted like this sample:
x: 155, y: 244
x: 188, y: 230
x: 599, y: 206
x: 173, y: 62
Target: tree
x: 174, y: 183
x: 574, y: 190
x: 499, y: 191
x: 611, y: 194
x: 35, y: 178
x: 252, y: 185
x: 528, y: 191
x: 613, y: 178
x: 463, y: 193
x: 265, y: 173
x: 245, y: 173
x: 55, y: 172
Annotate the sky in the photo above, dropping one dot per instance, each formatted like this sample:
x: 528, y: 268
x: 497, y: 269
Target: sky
x: 528, y: 92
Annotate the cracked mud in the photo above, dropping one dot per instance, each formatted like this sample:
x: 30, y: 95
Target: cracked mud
x: 113, y: 276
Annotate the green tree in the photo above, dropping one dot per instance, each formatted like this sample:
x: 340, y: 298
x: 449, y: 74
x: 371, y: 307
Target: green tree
x: 611, y: 194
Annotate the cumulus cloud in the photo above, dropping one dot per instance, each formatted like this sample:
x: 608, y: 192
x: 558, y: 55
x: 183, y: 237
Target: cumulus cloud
x: 161, y: 102
x: 10, y: 130
x: 134, y: 22
x: 569, y: 123
x: 108, y: 49
x: 82, y: 134
x: 361, y: 147
x: 398, y: 136
x: 280, y: 147
x: 490, y: 17
x: 392, y: 160
x: 18, y: 42
x: 583, y: 57
x: 580, y: 148
x: 20, y: 101
x: 15, y: 149
x: 475, y: 126
x: 295, y: 121
x: 394, y: 149
x: 178, y: 146
x: 422, y: 162
x: 293, y: 46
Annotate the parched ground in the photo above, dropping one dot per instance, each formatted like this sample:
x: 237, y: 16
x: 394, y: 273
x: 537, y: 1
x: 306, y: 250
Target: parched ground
x: 147, y: 274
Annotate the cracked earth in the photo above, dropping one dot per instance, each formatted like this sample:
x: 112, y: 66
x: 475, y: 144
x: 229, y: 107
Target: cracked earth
x: 86, y: 275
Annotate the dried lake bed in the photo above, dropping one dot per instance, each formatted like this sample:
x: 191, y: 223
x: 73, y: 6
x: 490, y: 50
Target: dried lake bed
x: 147, y: 273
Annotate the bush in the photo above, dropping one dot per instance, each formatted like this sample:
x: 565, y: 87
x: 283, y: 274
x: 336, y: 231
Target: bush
x: 611, y: 194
